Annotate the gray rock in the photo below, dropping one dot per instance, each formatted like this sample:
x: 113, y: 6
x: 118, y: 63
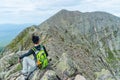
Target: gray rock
x: 66, y: 65
x: 79, y: 77
x: 104, y: 75
x: 13, y: 70
x: 49, y: 75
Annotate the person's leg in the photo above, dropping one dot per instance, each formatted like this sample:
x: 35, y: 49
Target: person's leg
x: 28, y: 64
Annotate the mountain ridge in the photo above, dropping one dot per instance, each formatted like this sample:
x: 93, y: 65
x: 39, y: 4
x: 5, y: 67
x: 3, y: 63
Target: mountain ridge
x: 90, y: 39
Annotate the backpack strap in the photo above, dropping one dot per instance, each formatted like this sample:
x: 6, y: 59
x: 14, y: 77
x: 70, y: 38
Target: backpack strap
x: 41, y: 48
x: 34, y: 49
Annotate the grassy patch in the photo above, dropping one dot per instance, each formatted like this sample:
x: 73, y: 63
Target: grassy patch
x: 13, y: 60
x: 111, y: 58
x: 19, y: 67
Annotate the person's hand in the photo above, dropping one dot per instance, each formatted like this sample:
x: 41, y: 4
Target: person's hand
x: 19, y: 60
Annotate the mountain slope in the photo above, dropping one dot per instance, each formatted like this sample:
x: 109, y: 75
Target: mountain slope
x: 92, y: 40
x: 97, y: 33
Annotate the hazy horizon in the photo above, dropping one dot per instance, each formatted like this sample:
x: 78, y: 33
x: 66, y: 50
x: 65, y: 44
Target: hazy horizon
x: 9, y: 31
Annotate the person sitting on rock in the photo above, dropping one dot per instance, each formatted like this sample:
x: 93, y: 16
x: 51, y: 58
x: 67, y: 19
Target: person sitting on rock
x: 28, y: 63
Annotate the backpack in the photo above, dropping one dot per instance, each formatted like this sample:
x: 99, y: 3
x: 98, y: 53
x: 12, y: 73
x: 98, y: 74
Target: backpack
x: 42, y: 61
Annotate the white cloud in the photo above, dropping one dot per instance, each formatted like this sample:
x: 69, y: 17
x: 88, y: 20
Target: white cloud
x: 36, y: 11
x: 102, y: 4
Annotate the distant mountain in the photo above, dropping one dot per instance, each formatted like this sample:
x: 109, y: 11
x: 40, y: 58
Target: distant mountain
x: 9, y: 32
x: 92, y: 41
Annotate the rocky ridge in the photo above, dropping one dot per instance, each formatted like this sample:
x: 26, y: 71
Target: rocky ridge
x: 86, y: 44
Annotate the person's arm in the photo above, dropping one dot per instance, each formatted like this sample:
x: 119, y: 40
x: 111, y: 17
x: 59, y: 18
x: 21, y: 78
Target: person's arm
x: 26, y: 54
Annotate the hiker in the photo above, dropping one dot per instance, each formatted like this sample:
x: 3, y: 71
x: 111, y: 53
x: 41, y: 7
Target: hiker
x: 28, y: 63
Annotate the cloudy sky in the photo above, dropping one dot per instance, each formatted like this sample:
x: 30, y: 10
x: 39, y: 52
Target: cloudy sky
x: 37, y: 11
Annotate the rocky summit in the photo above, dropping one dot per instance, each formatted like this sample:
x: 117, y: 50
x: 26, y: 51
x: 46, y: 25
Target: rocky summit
x: 81, y: 46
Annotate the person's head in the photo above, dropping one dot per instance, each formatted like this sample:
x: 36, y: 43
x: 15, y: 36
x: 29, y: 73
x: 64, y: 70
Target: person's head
x: 35, y: 39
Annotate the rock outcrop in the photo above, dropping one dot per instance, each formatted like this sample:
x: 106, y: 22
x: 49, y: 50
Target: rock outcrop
x: 104, y: 75
x: 50, y: 75
x: 66, y: 64
x: 79, y: 77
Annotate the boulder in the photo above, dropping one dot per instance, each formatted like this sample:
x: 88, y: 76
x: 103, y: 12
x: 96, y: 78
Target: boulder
x: 6, y: 62
x: 21, y: 77
x: 2, y: 74
x: 66, y: 65
x: 79, y: 77
x: 104, y: 75
x: 13, y: 70
x: 15, y: 76
x: 49, y: 75
x: 37, y: 74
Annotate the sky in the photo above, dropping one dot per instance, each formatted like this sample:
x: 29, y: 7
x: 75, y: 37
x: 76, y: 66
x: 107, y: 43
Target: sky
x: 37, y: 11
